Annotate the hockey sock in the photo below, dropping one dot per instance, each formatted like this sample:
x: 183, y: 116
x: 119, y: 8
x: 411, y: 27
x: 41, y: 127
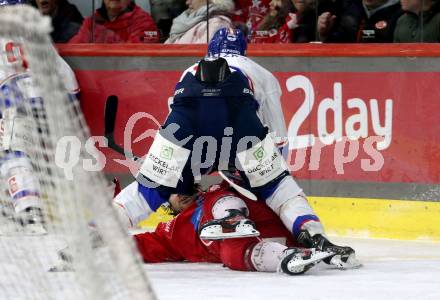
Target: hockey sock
x: 266, y: 256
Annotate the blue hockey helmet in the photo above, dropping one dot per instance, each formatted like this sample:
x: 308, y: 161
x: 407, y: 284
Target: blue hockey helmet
x: 12, y: 2
x: 227, y: 40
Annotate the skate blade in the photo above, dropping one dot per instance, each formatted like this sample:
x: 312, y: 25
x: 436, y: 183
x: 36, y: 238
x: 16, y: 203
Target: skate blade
x: 298, y: 265
x: 316, y: 258
x: 215, y: 233
x: 351, y: 263
x: 228, y: 236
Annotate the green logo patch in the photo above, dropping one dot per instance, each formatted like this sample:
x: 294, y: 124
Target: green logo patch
x: 259, y: 154
x: 166, y: 152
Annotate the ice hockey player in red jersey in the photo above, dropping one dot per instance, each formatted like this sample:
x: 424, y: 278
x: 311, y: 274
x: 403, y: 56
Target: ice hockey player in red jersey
x: 181, y: 239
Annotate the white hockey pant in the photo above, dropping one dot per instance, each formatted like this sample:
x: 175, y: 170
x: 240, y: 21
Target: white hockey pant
x: 290, y: 203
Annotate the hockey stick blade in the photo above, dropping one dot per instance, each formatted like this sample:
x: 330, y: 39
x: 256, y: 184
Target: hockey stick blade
x: 241, y: 190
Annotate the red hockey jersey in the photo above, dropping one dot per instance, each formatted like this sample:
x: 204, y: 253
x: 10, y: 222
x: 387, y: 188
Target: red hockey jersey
x: 177, y: 240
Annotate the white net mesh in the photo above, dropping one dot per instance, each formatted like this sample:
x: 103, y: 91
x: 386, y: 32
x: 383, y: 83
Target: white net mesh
x: 36, y: 115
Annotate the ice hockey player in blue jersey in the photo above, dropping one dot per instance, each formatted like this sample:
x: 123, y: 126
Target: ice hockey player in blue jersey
x: 214, y: 124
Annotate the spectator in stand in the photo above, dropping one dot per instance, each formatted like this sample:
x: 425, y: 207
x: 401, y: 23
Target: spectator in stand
x: 66, y: 18
x: 190, y: 27
x: 420, y: 23
x: 118, y: 21
x: 251, y: 13
x: 283, y: 26
x: 163, y: 13
x: 274, y: 28
x: 362, y: 21
x: 304, y: 29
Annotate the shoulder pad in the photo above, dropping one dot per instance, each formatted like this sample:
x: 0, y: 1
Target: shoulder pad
x: 236, y: 85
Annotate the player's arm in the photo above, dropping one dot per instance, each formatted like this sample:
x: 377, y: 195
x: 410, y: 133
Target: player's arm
x: 68, y: 78
x: 272, y: 112
x: 267, y: 92
x: 136, y: 202
x: 191, y: 69
x: 155, y: 246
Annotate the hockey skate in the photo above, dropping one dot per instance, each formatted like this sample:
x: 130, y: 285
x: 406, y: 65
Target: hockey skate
x: 29, y: 221
x: 298, y: 260
x: 32, y: 221
x: 343, y: 257
x: 236, y: 225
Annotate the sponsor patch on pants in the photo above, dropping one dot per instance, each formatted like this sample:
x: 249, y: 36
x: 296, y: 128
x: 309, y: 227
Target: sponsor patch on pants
x: 164, y: 162
x: 262, y: 163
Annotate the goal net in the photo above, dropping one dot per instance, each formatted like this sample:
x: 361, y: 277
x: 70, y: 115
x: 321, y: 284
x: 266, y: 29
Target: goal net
x: 99, y: 260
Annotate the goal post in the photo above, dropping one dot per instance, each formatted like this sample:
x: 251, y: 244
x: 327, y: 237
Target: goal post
x: 71, y: 200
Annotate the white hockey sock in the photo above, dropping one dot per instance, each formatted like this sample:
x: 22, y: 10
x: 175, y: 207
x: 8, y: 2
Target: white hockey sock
x: 289, y: 202
x: 296, y: 214
x: 266, y: 256
x: 285, y: 190
x: 219, y: 210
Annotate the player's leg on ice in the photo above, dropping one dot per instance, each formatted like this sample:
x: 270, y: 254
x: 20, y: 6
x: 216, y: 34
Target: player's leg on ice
x: 24, y: 191
x: 289, y: 202
x: 266, y: 174
x: 251, y: 254
x: 298, y: 216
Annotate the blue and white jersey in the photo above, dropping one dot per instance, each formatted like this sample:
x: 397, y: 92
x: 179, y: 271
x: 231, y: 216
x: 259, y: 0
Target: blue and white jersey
x: 267, y: 92
x: 14, y: 72
x: 236, y: 85
x: 16, y: 89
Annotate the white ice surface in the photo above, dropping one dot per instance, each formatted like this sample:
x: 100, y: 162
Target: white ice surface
x: 392, y: 270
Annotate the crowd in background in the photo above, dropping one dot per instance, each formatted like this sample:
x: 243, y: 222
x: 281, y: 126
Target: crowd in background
x: 264, y: 21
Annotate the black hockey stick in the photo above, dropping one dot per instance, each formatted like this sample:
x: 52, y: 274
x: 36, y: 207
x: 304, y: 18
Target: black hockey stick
x: 110, y: 112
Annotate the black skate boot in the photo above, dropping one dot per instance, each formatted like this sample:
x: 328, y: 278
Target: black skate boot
x: 298, y: 260
x: 343, y: 256
x: 236, y: 225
